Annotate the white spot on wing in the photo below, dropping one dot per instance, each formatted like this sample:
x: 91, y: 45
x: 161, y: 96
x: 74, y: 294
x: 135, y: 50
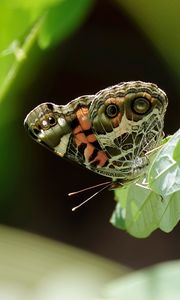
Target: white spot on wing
x: 60, y: 149
x: 61, y: 122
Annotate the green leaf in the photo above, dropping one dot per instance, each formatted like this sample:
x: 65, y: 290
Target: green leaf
x: 164, y: 174
x: 171, y: 215
x: 118, y: 217
x: 121, y: 195
x: 17, y: 19
x: 23, y: 22
x: 141, y: 210
x: 176, y: 154
x: 119, y: 214
x: 20, y: 27
x: 158, y: 282
x: 16, y: 55
x: 146, y: 211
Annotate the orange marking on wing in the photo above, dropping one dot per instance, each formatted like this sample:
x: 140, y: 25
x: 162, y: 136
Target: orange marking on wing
x: 78, y: 129
x: 80, y: 138
x: 85, y: 124
x: 82, y: 115
x: 118, y: 101
x: 102, y: 158
x: 116, y: 121
x: 91, y: 138
x: 88, y: 151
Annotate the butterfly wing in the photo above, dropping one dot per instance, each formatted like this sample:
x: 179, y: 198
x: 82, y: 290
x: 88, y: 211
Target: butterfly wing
x: 66, y: 130
x: 128, y: 121
x: 109, y: 133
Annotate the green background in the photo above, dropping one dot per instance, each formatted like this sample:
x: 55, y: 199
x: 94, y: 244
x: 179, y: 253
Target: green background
x: 56, y: 51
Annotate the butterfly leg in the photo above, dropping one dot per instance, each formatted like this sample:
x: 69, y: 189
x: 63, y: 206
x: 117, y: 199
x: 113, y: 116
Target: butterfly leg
x: 115, y: 185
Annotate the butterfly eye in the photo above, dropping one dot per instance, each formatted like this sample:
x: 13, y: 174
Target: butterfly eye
x: 112, y: 110
x: 141, y: 105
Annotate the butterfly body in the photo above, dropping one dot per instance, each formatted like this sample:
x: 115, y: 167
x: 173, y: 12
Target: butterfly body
x: 109, y: 133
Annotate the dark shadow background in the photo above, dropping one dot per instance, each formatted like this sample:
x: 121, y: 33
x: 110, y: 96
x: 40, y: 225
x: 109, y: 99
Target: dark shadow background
x: 107, y: 49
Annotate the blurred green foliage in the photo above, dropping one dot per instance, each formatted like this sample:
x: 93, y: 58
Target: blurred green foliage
x: 26, y: 25
x: 35, y: 268
x: 48, y: 22
x: 158, y: 282
x: 27, y: 29
x: 160, y: 22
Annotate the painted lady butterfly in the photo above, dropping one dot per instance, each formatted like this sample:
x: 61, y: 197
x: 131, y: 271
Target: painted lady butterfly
x: 109, y: 133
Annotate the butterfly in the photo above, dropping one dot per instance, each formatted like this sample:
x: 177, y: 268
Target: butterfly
x: 110, y: 133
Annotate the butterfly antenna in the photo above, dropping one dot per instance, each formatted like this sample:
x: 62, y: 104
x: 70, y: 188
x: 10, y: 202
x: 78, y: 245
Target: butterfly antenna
x: 92, y: 196
x: 89, y: 188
